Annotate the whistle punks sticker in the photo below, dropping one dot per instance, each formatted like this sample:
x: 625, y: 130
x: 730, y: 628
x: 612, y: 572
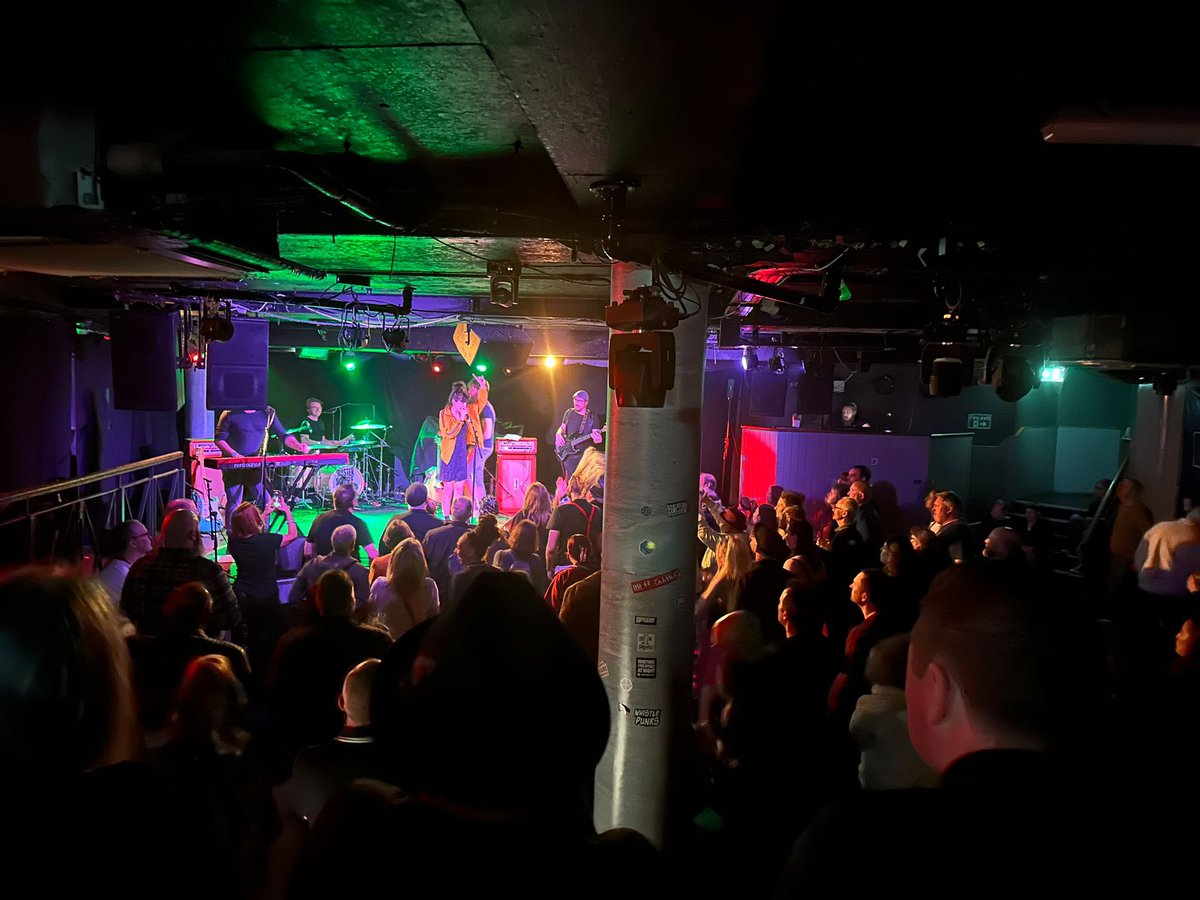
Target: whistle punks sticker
x: 645, y: 620
x: 602, y: 669
x: 649, y: 584
x: 647, y: 667
x: 647, y: 718
x: 645, y: 642
x: 678, y: 508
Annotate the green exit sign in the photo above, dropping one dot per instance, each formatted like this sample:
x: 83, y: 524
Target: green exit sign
x: 979, y: 421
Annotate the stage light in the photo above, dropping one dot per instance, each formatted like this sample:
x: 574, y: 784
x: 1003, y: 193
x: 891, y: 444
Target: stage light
x: 1055, y: 374
x: 481, y: 367
x: 550, y: 362
x: 749, y: 359
x: 504, y: 278
x: 778, y: 363
x: 438, y: 365
x: 395, y: 340
x: 508, y: 370
x: 349, y: 360
x: 216, y: 325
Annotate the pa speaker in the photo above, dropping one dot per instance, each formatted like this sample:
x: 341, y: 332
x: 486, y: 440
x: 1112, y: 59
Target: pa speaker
x: 237, y: 369
x: 145, y: 370
x: 814, y: 390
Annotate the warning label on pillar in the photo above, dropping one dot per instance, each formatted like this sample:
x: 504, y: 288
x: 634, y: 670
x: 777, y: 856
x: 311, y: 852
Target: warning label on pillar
x: 649, y: 584
x: 678, y: 508
x: 649, y: 718
x: 645, y: 642
x: 647, y: 667
x: 645, y: 620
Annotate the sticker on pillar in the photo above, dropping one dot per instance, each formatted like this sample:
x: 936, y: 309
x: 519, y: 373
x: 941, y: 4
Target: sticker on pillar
x: 646, y: 511
x: 680, y: 602
x: 647, y: 667
x: 626, y: 685
x: 645, y: 642
x: 645, y: 620
x: 625, y: 710
x: 649, y: 584
x: 647, y: 547
x: 648, y: 718
x: 602, y: 669
x: 678, y: 508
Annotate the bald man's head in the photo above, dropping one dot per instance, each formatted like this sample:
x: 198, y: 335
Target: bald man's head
x: 356, y: 693
x: 180, y: 531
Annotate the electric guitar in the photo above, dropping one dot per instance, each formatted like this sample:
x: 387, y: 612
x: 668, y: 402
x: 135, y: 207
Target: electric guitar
x: 571, y: 447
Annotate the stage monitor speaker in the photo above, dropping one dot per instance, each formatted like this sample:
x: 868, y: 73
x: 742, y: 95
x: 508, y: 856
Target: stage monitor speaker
x: 768, y: 393
x: 237, y: 368
x: 814, y: 390
x: 145, y: 369
x: 514, y: 474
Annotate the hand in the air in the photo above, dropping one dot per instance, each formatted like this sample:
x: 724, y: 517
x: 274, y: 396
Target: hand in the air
x: 596, y: 436
x: 559, y: 440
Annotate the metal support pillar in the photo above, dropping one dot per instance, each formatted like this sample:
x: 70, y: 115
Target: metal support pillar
x: 649, y: 581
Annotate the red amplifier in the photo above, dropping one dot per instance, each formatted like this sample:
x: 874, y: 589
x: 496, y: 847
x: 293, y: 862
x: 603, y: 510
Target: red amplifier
x: 517, y: 446
x: 516, y: 469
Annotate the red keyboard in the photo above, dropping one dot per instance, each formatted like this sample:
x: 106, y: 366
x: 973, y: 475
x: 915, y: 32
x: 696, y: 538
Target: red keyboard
x: 281, y: 461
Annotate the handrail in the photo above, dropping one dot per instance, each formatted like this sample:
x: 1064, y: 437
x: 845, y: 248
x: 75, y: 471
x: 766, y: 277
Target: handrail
x: 1105, y: 501
x: 55, y: 487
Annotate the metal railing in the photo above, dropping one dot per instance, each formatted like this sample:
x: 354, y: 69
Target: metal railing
x: 61, y: 516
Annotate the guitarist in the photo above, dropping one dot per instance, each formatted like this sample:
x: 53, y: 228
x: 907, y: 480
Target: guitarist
x: 578, y: 422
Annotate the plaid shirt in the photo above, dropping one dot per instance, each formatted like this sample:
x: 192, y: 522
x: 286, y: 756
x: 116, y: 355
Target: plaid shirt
x: 159, y: 572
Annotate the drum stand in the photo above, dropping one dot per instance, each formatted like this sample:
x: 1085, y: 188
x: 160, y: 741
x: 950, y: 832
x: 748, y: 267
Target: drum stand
x: 378, y: 476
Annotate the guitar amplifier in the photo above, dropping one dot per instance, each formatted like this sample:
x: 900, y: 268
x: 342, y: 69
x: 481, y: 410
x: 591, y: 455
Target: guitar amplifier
x: 203, y: 445
x: 516, y: 469
x: 517, y: 446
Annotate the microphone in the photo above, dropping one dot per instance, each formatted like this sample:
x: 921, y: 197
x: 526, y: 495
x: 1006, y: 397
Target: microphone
x: 302, y: 428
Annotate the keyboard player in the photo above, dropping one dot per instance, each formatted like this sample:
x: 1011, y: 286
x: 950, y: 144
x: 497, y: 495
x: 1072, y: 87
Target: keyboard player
x: 244, y: 432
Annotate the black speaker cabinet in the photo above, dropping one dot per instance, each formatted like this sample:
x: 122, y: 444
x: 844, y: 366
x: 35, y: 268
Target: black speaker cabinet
x: 237, y: 368
x: 145, y: 370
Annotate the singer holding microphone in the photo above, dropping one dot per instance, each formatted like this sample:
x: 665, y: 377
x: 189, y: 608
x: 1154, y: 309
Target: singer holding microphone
x: 460, y: 432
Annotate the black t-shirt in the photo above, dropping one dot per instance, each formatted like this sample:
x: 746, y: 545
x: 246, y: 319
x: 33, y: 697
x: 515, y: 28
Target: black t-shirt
x: 572, y: 518
x: 255, y: 558
x: 316, y: 429
x: 244, y: 431
x: 576, y: 425
x: 321, y: 533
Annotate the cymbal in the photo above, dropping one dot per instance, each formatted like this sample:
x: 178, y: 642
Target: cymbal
x: 359, y: 445
x: 368, y: 425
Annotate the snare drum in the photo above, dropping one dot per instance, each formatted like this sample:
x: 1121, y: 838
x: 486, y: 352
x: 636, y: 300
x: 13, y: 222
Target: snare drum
x: 330, y: 478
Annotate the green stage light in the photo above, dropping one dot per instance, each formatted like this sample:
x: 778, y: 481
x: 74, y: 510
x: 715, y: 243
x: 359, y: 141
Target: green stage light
x: 349, y: 361
x: 481, y: 367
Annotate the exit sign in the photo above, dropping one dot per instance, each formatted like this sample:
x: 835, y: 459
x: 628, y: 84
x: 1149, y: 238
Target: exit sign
x: 979, y: 421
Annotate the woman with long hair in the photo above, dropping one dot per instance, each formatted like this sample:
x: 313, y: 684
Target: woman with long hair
x: 254, y: 551
x: 522, y: 555
x: 488, y: 535
x: 536, y: 508
x: 457, y: 428
x: 407, y: 596
x: 394, y: 532
x: 590, y: 470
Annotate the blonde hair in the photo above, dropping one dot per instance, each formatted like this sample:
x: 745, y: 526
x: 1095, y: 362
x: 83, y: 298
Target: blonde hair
x: 407, y: 571
x: 733, y: 562
x: 590, y: 470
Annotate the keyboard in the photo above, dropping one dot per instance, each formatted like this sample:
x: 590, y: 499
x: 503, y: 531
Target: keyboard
x: 226, y: 463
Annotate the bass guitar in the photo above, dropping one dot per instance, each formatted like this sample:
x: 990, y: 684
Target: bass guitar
x: 572, y: 446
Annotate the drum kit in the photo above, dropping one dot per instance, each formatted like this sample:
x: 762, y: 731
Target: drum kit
x: 368, y: 471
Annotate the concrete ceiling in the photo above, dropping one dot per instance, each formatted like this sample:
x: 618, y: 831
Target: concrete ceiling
x: 282, y: 147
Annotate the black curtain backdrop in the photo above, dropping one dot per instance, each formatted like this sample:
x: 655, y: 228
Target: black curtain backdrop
x: 405, y: 391
x: 1189, y: 474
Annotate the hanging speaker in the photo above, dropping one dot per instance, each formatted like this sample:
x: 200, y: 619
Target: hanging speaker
x: 145, y: 370
x: 237, y: 368
x: 814, y: 389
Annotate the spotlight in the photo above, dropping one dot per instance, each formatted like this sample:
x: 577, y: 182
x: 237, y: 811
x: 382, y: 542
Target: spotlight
x: 481, y: 368
x: 349, y: 360
x: 215, y: 325
x: 504, y: 278
x: 550, y: 362
x: 749, y: 359
x: 1054, y: 374
x: 778, y: 363
x: 438, y: 365
x: 1009, y: 375
x: 508, y: 370
x: 395, y: 340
